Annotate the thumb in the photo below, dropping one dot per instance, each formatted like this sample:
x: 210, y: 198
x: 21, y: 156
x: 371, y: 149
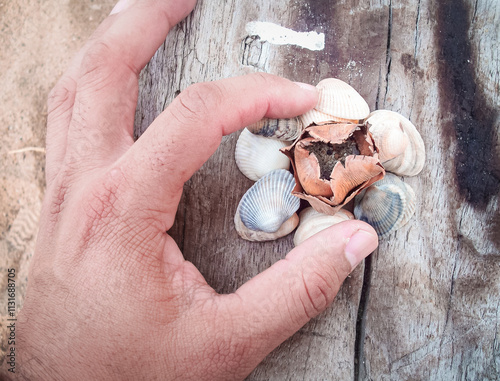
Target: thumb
x: 280, y: 300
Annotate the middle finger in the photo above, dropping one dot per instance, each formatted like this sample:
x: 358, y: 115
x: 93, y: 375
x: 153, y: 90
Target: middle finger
x: 101, y: 127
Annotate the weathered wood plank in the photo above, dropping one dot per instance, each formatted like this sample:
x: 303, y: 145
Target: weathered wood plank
x: 433, y: 309
x: 430, y: 307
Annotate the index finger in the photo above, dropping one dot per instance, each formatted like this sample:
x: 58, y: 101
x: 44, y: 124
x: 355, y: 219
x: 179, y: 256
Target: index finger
x: 189, y: 131
x: 91, y: 109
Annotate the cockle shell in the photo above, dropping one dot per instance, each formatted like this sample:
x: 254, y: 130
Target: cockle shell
x: 312, y: 222
x: 387, y: 205
x: 281, y: 129
x: 400, y: 146
x: 338, y: 102
x: 256, y: 155
x: 333, y: 163
x: 266, y: 206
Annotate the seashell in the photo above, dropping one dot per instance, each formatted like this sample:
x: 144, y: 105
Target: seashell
x: 400, y: 146
x: 281, y: 129
x: 266, y: 206
x: 252, y: 235
x: 312, y: 222
x: 338, y: 102
x: 332, y: 163
x: 256, y: 155
x: 387, y: 205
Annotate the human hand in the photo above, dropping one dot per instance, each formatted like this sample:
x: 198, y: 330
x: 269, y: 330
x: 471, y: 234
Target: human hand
x: 110, y: 295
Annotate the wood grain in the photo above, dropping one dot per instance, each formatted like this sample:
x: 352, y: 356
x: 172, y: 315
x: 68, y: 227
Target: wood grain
x: 428, y: 300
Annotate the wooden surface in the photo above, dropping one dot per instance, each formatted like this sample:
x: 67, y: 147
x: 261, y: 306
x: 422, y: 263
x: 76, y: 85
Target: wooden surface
x: 426, y: 305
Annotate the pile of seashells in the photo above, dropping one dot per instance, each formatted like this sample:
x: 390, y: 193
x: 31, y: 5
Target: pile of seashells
x: 339, y: 151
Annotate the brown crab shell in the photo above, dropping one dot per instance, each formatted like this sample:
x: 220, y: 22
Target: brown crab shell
x: 346, y: 180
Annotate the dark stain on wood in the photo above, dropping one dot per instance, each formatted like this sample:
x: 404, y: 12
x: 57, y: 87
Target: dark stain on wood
x: 472, y: 124
x: 410, y: 64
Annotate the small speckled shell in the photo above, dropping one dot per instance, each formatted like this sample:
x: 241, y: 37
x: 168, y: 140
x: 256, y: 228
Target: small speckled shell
x: 312, y: 222
x: 281, y: 129
x: 338, y: 102
x: 256, y: 155
x: 267, y: 204
x: 401, y: 148
x: 386, y: 205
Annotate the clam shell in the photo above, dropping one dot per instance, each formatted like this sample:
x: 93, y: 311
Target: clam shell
x: 317, y: 117
x: 312, y: 222
x: 281, y: 129
x: 267, y: 204
x: 256, y: 155
x: 401, y: 147
x: 340, y: 100
x: 386, y: 205
x: 251, y: 235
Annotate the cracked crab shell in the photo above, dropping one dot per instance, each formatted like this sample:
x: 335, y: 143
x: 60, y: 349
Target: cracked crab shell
x: 351, y: 172
x: 338, y: 102
x: 312, y: 222
x: 400, y: 145
x: 387, y: 205
x: 267, y: 206
x: 256, y: 155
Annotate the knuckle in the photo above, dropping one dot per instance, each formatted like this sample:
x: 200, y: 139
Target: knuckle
x: 61, y: 97
x: 58, y: 200
x: 99, y: 64
x: 260, y: 77
x: 318, y: 292
x: 59, y: 192
x: 199, y: 101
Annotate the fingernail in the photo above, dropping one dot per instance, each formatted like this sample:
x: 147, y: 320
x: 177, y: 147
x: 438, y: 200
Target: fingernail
x: 360, y: 245
x: 120, y: 6
x: 307, y: 87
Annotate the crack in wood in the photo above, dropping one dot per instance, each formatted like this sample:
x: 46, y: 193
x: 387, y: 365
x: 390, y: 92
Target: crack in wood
x: 388, y: 51
x: 415, y: 61
x: 359, y: 358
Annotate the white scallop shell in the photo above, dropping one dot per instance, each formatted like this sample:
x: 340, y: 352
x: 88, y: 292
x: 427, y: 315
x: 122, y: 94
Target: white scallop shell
x: 268, y: 203
x: 339, y: 99
x: 401, y: 148
x: 312, y: 222
x: 256, y: 155
x: 281, y: 129
x: 315, y: 117
x: 386, y: 205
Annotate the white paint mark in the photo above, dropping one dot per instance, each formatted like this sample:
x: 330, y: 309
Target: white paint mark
x: 278, y: 35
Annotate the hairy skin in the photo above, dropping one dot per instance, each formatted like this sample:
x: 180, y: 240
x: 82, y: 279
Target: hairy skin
x: 110, y: 296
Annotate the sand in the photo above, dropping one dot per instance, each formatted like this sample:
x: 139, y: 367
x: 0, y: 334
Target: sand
x: 38, y: 39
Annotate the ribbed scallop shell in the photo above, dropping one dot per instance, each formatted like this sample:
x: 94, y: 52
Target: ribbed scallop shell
x: 269, y: 202
x: 252, y: 235
x: 401, y: 147
x: 281, y: 129
x: 386, y: 205
x: 312, y: 222
x: 256, y: 155
x: 338, y: 102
